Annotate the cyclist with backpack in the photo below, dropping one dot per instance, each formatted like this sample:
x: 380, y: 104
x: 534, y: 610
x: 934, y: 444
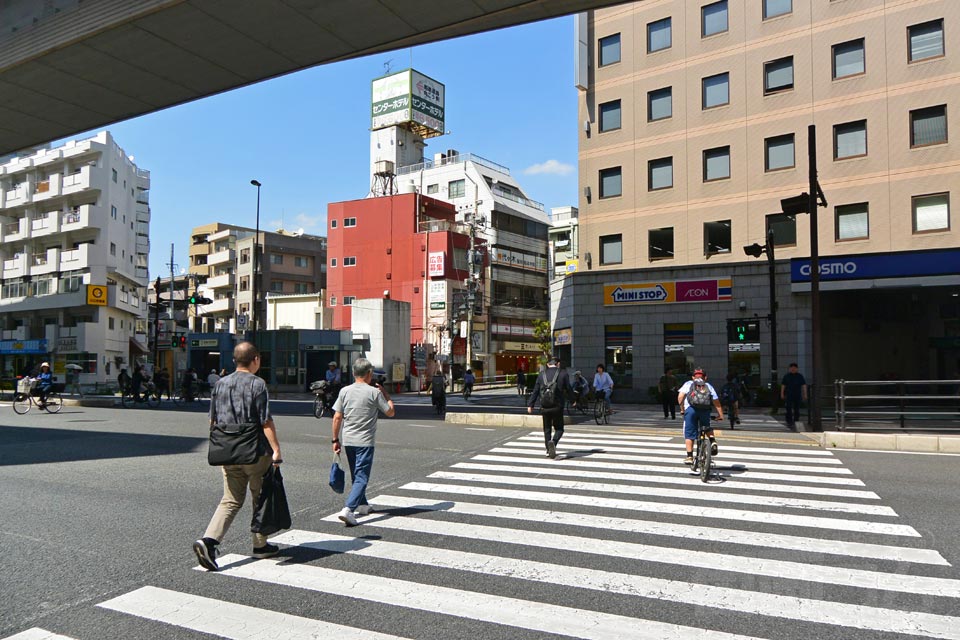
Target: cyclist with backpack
x: 696, y: 398
x: 551, y: 389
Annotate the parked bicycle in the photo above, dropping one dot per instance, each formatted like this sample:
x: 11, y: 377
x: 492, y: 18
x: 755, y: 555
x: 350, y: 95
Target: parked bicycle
x: 28, y: 395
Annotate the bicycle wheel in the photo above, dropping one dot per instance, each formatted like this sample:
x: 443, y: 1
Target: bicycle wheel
x: 127, y: 399
x: 598, y: 412
x: 177, y: 398
x: 606, y: 416
x: 317, y: 407
x: 706, y: 460
x: 153, y: 399
x: 54, y: 403
x: 21, y: 403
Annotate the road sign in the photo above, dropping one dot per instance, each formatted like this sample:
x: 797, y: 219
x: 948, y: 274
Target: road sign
x: 241, y: 321
x: 97, y: 295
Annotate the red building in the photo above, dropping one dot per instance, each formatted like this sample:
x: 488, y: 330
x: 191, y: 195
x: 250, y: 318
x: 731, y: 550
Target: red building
x: 397, y: 246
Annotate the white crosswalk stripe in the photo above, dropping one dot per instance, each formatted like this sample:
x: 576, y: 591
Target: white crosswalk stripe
x: 623, y: 518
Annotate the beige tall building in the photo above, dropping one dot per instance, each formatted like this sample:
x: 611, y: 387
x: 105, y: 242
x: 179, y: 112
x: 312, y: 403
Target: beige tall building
x: 693, y: 121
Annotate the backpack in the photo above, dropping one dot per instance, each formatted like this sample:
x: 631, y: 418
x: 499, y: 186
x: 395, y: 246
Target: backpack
x: 548, y: 397
x: 700, y: 396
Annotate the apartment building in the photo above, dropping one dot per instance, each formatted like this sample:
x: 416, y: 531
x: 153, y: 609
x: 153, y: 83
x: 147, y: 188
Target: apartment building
x: 563, y: 241
x: 693, y: 119
x: 221, y: 260
x: 74, y: 227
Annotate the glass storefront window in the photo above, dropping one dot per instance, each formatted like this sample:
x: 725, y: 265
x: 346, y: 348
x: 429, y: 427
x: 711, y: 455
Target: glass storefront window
x: 678, y: 351
x: 618, y: 354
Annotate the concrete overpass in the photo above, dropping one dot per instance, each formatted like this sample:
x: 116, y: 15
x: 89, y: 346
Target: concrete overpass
x: 68, y: 66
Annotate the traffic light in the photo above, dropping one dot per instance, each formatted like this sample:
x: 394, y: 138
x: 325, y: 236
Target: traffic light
x: 194, y: 297
x: 740, y: 332
x: 754, y: 250
x: 174, y: 342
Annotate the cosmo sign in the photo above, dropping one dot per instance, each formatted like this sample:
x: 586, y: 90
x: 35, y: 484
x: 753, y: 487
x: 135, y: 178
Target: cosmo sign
x: 668, y: 291
x: 408, y: 98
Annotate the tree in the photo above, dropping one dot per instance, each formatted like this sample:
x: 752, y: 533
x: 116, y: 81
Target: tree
x: 541, y: 330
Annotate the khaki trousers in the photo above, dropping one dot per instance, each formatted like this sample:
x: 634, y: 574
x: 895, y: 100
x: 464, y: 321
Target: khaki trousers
x: 236, y: 479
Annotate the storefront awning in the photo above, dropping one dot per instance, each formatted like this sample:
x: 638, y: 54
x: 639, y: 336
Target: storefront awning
x: 137, y: 348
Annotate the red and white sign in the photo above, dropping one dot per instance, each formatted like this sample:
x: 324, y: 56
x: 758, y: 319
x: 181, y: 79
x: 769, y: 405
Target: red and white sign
x: 435, y: 264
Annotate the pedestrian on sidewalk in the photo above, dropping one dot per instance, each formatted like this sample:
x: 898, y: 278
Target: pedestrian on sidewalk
x: 354, y: 431
x: 241, y: 398
x: 551, y: 389
x: 668, y: 393
x: 793, y: 389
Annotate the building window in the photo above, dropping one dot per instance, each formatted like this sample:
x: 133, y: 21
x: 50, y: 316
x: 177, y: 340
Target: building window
x: 333, y: 301
x: 244, y: 256
x: 113, y: 212
x: 350, y: 261
x: 618, y: 354
x: 609, y: 49
x: 660, y: 104
x: 352, y: 222
x: 113, y: 249
x: 928, y: 126
x: 276, y: 258
x: 774, y: 8
x: 276, y: 286
x: 456, y: 188
x: 850, y: 140
x: 853, y: 221
x: 611, y: 249
x: 659, y: 35
x: 110, y: 321
x: 114, y: 171
x: 611, y: 183
x: 716, y: 237
x: 778, y: 75
x: 245, y: 283
x: 300, y: 287
x: 925, y: 40
x: 333, y: 262
x: 348, y: 300
x: 610, y: 115
x: 301, y: 261
x: 713, y: 19
x: 71, y: 281
x: 849, y: 59
x: 432, y: 189
x: 931, y: 213
x: 333, y: 224
x: 716, y: 164
x: 660, y: 244
x: 660, y: 174
x: 784, y: 229
x: 779, y: 152
x: 716, y: 90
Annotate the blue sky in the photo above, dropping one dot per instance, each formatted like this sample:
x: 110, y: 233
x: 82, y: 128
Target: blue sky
x: 509, y: 97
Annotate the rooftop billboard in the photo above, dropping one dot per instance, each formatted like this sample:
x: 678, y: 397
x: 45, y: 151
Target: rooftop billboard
x: 408, y: 98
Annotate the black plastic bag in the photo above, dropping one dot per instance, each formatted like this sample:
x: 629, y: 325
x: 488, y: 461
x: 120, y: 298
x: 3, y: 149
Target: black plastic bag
x: 272, y: 513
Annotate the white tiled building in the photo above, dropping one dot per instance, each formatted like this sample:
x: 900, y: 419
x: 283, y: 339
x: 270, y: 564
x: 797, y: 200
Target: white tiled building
x: 73, y: 216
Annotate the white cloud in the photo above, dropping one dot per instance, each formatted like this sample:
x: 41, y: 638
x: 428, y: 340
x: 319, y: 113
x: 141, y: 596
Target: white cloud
x: 550, y: 167
x: 310, y: 224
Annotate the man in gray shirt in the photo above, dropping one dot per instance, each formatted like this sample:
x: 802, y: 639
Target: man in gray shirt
x: 240, y: 398
x: 354, y: 430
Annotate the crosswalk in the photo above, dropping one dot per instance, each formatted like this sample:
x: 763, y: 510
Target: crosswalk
x: 613, y: 539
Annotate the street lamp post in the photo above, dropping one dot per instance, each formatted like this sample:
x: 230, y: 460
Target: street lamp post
x: 255, y: 320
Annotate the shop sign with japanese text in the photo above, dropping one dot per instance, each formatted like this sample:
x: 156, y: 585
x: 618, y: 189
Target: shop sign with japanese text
x: 668, y: 291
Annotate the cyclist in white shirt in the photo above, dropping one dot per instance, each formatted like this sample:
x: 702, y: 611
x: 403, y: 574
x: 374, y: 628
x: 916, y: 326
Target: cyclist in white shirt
x: 603, y: 385
x: 695, y: 398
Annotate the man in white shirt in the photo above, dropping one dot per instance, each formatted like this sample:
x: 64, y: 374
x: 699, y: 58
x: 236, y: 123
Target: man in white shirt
x: 695, y: 399
x: 213, y: 378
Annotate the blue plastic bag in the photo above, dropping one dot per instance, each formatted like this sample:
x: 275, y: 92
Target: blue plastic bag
x: 337, y: 479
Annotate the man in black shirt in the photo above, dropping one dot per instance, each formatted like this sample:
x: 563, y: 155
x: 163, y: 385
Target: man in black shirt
x: 793, y: 390
x: 552, y: 387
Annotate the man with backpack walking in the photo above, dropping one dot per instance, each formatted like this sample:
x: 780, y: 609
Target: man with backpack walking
x: 695, y: 398
x: 551, y: 389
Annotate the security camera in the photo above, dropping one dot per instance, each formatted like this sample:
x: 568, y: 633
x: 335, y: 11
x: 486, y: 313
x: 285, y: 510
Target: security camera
x: 743, y: 305
x: 386, y: 293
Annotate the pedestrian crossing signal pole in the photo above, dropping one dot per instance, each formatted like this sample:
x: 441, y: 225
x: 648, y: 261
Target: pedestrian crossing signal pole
x: 156, y: 323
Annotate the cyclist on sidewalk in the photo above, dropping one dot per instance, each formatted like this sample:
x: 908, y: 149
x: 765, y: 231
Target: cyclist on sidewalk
x: 695, y: 398
x: 603, y: 386
x: 468, y: 380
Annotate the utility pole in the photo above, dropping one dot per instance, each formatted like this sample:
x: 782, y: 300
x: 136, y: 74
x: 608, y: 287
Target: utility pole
x: 474, y: 277
x: 755, y: 250
x: 812, y: 194
x: 156, y: 328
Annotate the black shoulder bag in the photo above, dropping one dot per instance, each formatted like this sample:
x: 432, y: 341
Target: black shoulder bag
x: 234, y: 443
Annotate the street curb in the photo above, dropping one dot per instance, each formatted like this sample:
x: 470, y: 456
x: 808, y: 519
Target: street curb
x: 917, y: 443
x: 103, y: 402
x: 524, y: 420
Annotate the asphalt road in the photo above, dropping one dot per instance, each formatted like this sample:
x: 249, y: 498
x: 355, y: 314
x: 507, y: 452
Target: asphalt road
x: 477, y: 534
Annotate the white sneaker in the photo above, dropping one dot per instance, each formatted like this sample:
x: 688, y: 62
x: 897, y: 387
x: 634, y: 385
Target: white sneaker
x: 347, y: 517
x: 364, y: 510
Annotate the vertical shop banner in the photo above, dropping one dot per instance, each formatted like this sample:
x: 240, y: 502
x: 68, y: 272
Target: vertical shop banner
x: 668, y: 291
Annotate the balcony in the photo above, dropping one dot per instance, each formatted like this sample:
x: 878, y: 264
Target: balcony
x: 143, y: 196
x: 45, y: 224
x: 141, y: 273
x: 143, y: 245
x: 77, y: 182
x: 221, y: 305
x: 16, y: 267
x: 44, y: 262
x: 17, y: 196
x: 75, y: 218
x: 13, y: 231
x: 46, y: 189
x: 143, y: 213
x: 512, y: 197
x: 76, y: 259
x: 221, y: 257
x: 221, y: 281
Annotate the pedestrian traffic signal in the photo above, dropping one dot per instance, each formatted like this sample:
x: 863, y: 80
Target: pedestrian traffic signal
x: 740, y: 331
x: 183, y: 342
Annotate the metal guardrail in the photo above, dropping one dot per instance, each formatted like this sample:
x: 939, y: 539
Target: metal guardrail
x: 926, y: 403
